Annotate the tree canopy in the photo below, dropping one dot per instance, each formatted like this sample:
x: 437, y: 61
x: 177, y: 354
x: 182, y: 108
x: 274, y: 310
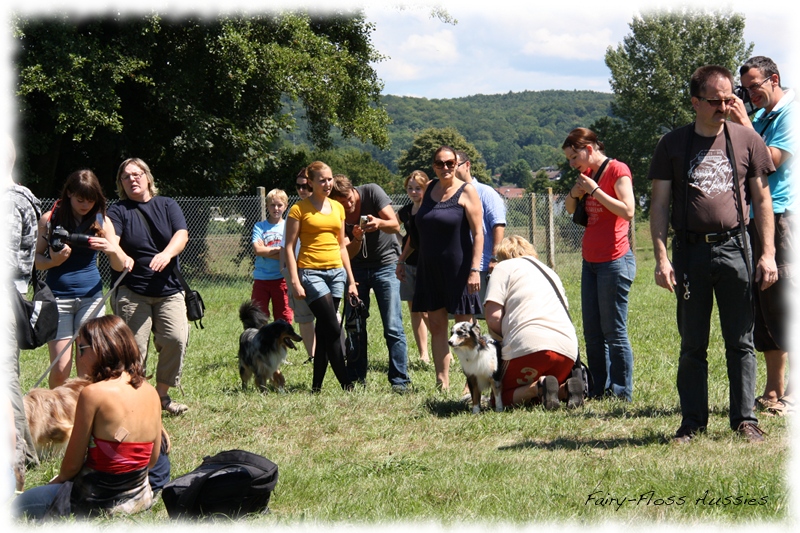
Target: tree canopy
x: 202, y: 100
x: 650, y: 72
x: 419, y: 156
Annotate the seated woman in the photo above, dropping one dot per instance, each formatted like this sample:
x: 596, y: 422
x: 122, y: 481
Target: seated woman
x: 116, y: 437
x: 539, y: 342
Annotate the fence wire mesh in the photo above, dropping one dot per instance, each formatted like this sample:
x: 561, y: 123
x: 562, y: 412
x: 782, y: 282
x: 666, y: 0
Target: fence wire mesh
x: 219, y: 256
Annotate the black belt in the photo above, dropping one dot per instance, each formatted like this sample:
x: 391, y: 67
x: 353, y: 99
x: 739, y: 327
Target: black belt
x: 710, y: 238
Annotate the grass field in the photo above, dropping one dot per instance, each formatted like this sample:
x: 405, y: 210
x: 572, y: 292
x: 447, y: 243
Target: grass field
x: 374, y: 457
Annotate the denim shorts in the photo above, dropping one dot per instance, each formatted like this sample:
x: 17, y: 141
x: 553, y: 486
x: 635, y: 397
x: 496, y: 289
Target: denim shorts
x: 72, y: 312
x: 318, y: 283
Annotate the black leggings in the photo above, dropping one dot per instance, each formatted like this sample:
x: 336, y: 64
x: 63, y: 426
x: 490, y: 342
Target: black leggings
x: 329, y: 346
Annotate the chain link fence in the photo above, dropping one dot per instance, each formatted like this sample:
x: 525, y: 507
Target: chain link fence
x: 219, y: 255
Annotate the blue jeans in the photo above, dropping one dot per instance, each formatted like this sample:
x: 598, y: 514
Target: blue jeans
x: 35, y: 501
x: 604, y: 299
x: 714, y: 270
x: 384, y: 283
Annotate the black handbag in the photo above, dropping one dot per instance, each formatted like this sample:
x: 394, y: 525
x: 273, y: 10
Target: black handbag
x: 580, y: 216
x: 36, y: 319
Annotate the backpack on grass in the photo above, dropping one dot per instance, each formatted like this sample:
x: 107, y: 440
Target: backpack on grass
x: 232, y: 483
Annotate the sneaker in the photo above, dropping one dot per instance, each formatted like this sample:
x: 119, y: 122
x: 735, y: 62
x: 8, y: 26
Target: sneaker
x: 685, y: 434
x: 548, y: 393
x: 574, y: 393
x: 751, y: 432
x: 172, y: 407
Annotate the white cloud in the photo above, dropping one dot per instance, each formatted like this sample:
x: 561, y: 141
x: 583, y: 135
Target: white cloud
x: 580, y: 46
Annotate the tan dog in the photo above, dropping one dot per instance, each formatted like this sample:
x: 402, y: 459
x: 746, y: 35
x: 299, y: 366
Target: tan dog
x: 51, y: 414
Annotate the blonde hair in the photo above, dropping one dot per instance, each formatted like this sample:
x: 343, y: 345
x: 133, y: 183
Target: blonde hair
x: 151, y: 185
x: 315, y: 168
x: 515, y: 246
x: 278, y: 194
x: 419, y: 176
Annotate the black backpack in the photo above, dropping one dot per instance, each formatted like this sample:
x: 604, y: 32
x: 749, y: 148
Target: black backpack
x: 231, y: 483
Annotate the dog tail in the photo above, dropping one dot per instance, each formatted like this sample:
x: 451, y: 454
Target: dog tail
x: 251, y: 315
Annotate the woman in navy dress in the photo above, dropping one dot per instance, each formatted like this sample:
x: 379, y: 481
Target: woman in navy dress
x: 451, y: 243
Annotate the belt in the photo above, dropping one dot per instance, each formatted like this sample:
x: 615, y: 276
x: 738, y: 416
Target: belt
x: 711, y: 238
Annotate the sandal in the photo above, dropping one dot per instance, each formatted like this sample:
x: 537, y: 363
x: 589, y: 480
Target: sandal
x: 765, y: 404
x: 784, y: 406
x: 172, y: 407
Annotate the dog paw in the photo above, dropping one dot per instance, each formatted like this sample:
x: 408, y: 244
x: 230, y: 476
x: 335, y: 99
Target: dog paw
x: 476, y: 409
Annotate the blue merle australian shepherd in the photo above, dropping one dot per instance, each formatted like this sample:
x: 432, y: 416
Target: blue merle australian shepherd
x: 263, y: 347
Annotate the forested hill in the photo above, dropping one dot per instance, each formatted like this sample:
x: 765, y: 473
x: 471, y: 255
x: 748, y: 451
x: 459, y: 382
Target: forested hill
x: 529, y: 125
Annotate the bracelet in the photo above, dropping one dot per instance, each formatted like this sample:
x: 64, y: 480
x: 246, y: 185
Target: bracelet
x: 592, y: 193
x: 474, y: 270
x: 401, y: 262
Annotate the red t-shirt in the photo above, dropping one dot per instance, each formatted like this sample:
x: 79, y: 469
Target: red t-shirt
x: 606, y: 235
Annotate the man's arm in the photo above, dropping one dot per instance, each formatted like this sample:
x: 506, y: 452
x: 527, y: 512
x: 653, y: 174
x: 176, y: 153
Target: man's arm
x: 738, y: 114
x: 659, y: 223
x: 766, y: 270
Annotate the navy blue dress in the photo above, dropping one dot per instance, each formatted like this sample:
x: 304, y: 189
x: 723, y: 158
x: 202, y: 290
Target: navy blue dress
x: 445, y: 256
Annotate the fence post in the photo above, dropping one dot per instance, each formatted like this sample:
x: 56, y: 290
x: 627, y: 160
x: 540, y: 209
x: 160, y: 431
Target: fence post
x: 532, y: 222
x: 550, y: 234
x: 262, y: 200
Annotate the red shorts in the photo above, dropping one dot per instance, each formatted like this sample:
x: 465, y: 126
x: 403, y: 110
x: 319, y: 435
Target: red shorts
x: 529, y: 368
x: 273, y: 290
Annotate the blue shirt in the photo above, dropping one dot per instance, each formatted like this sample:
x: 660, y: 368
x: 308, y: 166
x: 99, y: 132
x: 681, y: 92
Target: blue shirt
x: 494, y: 214
x: 272, y: 235
x: 777, y: 130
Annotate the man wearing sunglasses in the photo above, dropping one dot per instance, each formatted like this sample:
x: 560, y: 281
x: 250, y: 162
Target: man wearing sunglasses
x: 703, y: 169
x: 371, y: 226
x: 774, y: 121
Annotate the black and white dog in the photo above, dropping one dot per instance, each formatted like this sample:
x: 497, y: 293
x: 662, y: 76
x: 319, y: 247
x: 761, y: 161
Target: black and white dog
x: 263, y: 346
x: 480, y: 358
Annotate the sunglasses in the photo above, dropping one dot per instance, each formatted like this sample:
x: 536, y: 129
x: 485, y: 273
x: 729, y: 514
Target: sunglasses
x: 306, y: 186
x: 442, y: 164
x: 81, y: 348
x: 716, y: 103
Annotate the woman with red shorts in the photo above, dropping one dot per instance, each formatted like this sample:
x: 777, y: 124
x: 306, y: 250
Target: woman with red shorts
x: 539, y: 341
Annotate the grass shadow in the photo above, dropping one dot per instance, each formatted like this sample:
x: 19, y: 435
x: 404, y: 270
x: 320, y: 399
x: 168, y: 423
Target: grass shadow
x: 446, y: 408
x: 576, y: 444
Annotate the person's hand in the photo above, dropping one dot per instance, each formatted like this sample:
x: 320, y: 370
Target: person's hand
x: 766, y: 272
x: 160, y: 261
x: 738, y: 113
x: 586, y: 184
x: 352, y: 290
x: 400, y: 271
x: 58, y: 258
x: 473, y: 282
x: 665, y: 276
x: 373, y: 224
x: 128, y: 263
x: 299, y: 291
x: 358, y: 232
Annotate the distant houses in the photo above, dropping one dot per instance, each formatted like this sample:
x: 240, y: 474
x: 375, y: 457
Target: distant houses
x: 508, y: 192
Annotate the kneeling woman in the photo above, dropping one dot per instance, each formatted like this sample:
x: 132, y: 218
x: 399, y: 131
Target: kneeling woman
x: 539, y: 341
x: 116, y: 437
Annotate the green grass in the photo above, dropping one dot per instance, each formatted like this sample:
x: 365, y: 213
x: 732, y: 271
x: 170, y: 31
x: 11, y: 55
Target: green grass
x: 372, y: 456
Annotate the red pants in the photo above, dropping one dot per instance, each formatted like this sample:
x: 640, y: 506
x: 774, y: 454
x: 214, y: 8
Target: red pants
x: 529, y: 368
x: 273, y: 290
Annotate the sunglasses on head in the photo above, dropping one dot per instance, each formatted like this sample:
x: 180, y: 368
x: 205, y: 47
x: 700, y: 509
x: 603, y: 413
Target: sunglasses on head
x: 442, y: 164
x: 301, y: 186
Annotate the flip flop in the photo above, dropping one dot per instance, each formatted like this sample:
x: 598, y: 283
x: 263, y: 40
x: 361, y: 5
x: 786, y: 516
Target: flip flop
x: 765, y: 404
x: 783, y: 407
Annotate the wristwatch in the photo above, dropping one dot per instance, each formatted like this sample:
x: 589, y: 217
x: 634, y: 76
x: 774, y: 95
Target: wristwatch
x: 493, y: 259
x: 474, y: 269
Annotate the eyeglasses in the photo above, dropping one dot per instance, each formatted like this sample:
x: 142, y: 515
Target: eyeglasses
x: 442, y: 164
x: 458, y: 165
x: 133, y: 176
x: 81, y: 348
x: 301, y: 186
x: 757, y: 85
x: 716, y: 102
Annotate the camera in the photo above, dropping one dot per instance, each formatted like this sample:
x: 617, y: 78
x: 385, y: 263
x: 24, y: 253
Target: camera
x: 744, y: 94
x: 364, y: 221
x: 60, y: 237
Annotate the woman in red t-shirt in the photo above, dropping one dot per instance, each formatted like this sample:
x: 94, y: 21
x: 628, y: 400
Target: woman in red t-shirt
x: 609, y: 265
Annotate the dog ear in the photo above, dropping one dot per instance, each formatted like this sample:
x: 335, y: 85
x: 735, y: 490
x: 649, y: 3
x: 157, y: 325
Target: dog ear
x: 476, y: 331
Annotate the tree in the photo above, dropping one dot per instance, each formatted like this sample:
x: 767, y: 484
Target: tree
x: 420, y: 155
x: 203, y: 101
x: 518, y: 172
x: 650, y: 73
